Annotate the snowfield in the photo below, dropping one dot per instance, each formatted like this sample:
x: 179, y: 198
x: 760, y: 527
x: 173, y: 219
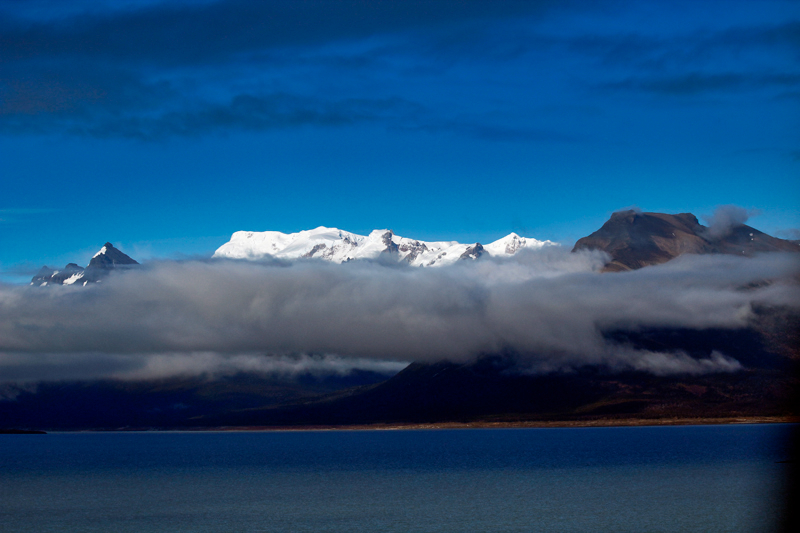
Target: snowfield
x: 338, y: 246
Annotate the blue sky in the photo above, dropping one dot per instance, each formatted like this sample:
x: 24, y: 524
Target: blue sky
x: 163, y: 127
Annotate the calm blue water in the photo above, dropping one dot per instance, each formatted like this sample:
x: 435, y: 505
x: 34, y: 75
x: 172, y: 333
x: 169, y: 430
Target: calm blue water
x: 703, y: 478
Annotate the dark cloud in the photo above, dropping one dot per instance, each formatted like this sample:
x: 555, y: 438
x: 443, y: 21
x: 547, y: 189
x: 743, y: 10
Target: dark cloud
x: 255, y: 113
x: 690, y: 64
x: 259, y: 112
x: 786, y: 35
x: 550, y: 307
x: 697, y: 82
x: 77, y: 99
x: 173, y: 33
x: 626, y: 49
x: 172, y: 68
x: 646, y: 51
x: 73, y: 89
x: 488, y: 132
x: 152, y: 69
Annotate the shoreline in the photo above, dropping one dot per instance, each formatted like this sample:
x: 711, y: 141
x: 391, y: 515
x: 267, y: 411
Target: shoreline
x: 483, y: 424
x: 523, y: 424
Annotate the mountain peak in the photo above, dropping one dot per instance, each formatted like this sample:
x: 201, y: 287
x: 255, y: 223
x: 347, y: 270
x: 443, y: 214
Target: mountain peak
x: 107, y: 258
x: 635, y: 239
x: 110, y: 257
x: 341, y: 246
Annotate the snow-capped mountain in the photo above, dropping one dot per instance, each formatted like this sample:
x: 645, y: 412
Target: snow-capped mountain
x: 107, y: 259
x: 340, y: 246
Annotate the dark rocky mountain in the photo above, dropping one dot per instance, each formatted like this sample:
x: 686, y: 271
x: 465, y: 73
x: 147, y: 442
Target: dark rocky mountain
x: 109, y: 257
x: 103, y: 262
x: 491, y: 389
x: 165, y: 403
x: 495, y: 388
x: 634, y: 239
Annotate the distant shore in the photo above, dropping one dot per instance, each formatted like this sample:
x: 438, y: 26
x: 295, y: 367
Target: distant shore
x: 622, y: 422
x: 480, y: 424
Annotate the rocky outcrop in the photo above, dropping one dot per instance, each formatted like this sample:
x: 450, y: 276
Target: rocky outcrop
x: 473, y: 252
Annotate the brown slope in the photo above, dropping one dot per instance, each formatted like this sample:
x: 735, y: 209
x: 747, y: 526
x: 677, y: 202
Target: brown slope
x: 634, y: 239
x: 745, y: 240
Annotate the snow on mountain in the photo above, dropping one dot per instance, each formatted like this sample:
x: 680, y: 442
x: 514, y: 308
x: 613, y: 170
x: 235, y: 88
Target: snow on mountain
x: 107, y: 259
x: 338, y: 246
x: 512, y: 243
x: 67, y: 276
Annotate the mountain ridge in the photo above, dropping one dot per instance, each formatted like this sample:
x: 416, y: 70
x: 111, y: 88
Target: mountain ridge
x: 636, y: 239
x: 101, y: 264
x: 489, y: 388
x: 339, y: 246
x: 632, y: 239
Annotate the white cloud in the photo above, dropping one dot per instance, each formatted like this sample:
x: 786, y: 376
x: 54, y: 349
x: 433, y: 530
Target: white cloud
x: 551, y: 308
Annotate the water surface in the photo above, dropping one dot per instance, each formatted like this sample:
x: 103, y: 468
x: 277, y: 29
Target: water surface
x: 698, y: 478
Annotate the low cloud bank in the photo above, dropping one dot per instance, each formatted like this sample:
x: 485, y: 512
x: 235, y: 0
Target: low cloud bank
x: 19, y: 368
x: 550, y: 307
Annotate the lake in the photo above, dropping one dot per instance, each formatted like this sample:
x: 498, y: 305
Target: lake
x: 678, y: 478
